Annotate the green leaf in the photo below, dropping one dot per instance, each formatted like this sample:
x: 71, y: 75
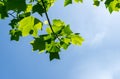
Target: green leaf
x: 38, y: 44
x: 66, y: 30
x: 118, y: 5
x: 14, y: 23
x: 15, y: 34
x: 112, y: 5
x: 54, y: 56
x: 29, y: 24
x: 67, y: 2
x: 58, y: 23
x: 3, y: 11
x: 53, y: 47
x: 48, y: 3
x: 57, y: 26
x: 29, y: 8
x: 38, y: 8
x: 65, y: 43
x: 76, y: 39
x: 66, y: 40
x: 96, y: 3
x: 55, y: 29
x: 107, y: 2
x: 78, y: 1
x: 23, y: 15
x: 19, y: 5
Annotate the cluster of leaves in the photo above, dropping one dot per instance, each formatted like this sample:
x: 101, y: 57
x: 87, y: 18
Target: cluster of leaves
x: 112, y: 5
x: 58, y: 35
x: 52, y: 44
x: 67, y: 2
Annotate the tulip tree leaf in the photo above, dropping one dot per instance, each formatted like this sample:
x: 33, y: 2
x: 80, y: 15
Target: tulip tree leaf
x: 58, y: 36
x: 96, y: 3
x: 112, y: 5
x: 3, y: 10
x: 38, y: 44
x: 15, y: 35
x: 76, y: 39
x: 78, y: 1
x: 19, y: 5
x: 67, y: 2
x: 29, y: 8
x: 54, y: 56
x: 38, y: 8
x: 29, y: 24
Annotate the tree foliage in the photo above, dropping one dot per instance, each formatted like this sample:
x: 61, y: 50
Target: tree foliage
x: 58, y: 34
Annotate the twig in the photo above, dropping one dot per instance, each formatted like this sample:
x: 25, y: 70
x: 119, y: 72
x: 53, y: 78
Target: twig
x: 46, y: 14
x: 11, y: 14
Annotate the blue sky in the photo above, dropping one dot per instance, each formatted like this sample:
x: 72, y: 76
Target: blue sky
x: 97, y: 58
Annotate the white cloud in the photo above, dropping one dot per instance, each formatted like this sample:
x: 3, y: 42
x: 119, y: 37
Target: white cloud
x: 98, y: 27
x: 98, y: 38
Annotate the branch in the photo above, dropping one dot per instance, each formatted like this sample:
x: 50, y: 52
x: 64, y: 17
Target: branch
x: 46, y: 14
x: 11, y: 14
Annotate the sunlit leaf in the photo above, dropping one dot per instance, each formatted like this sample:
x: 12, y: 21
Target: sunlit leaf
x: 29, y: 8
x: 76, y: 40
x: 66, y: 30
x: 58, y: 23
x: 67, y: 2
x: 29, y: 24
x: 78, y: 1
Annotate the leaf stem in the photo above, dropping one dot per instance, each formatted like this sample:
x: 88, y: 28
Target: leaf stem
x: 11, y: 14
x: 46, y: 14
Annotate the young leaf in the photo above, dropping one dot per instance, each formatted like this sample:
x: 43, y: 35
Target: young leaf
x: 53, y: 47
x: 78, y: 1
x: 67, y: 2
x: 29, y: 8
x: 66, y: 30
x: 76, y: 39
x: 29, y: 24
x: 57, y: 26
x: 58, y: 23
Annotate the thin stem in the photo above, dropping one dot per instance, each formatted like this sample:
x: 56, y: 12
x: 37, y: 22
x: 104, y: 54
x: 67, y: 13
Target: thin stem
x: 46, y: 14
x: 11, y: 14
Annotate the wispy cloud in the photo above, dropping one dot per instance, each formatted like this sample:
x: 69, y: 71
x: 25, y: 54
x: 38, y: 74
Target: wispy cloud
x: 103, y: 63
x: 98, y: 38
